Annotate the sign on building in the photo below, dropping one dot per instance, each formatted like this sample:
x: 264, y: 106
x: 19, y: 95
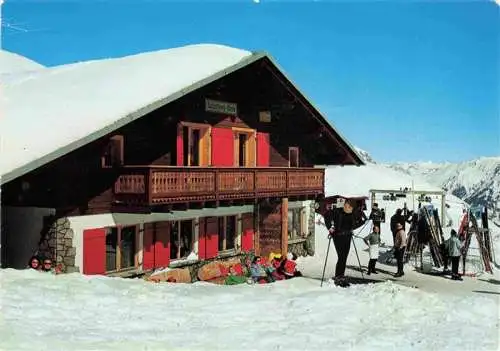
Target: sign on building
x: 227, y: 108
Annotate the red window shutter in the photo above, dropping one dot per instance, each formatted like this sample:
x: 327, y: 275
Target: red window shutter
x: 180, y: 146
x: 148, y: 259
x: 247, y: 232
x: 263, y: 149
x: 162, y: 244
x: 212, y: 237
x: 208, y: 243
x: 202, y: 242
x: 94, y: 251
x: 222, y: 147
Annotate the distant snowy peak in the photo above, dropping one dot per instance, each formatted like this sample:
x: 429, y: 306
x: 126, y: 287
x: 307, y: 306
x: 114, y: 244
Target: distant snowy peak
x: 476, y: 181
x: 365, y: 156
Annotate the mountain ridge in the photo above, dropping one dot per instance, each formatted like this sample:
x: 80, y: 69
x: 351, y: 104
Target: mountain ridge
x: 475, y: 181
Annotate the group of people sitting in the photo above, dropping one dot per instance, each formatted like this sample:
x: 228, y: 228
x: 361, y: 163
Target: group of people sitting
x: 39, y: 263
x: 278, y: 267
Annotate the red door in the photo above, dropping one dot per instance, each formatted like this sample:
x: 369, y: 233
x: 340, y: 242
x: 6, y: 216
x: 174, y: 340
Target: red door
x: 247, y: 232
x: 208, y: 238
x: 162, y: 245
x: 222, y: 147
x: 148, y: 254
x: 156, y: 250
x: 94, y: 251
x: 263, y: 149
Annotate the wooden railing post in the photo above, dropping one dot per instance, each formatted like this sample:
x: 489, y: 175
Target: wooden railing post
x: 149, y: 185
x: 216, y: 185
x: 284, y: 225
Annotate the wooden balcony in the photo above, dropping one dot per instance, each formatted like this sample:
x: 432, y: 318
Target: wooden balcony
x: 156, y: 185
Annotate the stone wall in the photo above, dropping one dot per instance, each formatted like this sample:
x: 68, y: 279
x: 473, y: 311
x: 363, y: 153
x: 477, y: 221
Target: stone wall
x: 57, y: 243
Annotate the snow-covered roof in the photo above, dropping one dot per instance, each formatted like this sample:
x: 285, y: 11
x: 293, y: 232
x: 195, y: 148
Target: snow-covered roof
x: 56, y: 110
x: 11, y: 63
x: 53, y: 111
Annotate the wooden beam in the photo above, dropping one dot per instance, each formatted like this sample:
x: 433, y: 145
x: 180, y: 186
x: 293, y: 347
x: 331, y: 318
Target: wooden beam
x: 284, y: 226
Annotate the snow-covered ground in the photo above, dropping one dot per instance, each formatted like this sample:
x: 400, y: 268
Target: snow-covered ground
x: 422, y: 312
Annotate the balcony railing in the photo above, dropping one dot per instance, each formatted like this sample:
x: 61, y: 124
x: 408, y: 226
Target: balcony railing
x: 156, y: 185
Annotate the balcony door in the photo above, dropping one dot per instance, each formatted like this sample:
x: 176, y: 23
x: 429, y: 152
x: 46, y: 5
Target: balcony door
x: 244, y: 147
x: 193, y: 144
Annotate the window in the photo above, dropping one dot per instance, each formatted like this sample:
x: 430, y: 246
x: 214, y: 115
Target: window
x: 113, y: 152
x: 181, y: 239
x: 293, y: 156
x: 127, y: 247
x: 228, y: 233
x: 111, y: 249
x: 244, y: 147
x: 295, y: 227
x: 121, y: 248
x: 195, y: 144
x: 242, y: 153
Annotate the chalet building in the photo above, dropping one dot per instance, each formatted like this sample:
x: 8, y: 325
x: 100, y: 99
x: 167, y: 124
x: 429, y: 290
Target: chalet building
x: 160, y: 159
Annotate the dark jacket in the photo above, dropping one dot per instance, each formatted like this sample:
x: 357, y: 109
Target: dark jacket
x: 344, y: 223
x: 376, y: 216
x: 395, y: 219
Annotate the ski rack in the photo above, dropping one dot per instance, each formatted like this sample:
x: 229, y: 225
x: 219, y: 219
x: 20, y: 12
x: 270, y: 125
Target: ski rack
x: 435, y: 240
x: 472, y: 228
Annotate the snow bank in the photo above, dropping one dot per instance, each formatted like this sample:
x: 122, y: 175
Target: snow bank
x: 73, y: 312
x: 46, y: 312
x: 78, y: 100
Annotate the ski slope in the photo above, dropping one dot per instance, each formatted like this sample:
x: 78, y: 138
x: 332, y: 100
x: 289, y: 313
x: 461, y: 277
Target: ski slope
x: 75, y: 312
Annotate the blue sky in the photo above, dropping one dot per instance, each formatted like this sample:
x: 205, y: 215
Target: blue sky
x: 404, y: 81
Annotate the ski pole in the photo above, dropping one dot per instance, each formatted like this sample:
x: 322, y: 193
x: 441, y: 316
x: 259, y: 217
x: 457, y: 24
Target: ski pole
x: 326, y: 259
x: 359, y: 262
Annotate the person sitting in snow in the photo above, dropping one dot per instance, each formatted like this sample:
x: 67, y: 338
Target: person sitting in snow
x: 276, y: 263
x: 233, y: 278
x: 288, y: 267
x: 258, y: 272
x: 47, y: 265
x: 372, y: 240
x: 454, y: 248
x: 34, y: 263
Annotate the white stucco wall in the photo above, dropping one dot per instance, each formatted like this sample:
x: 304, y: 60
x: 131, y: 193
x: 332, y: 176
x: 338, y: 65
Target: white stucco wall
x: 81, y: 223
x: 21, y: 231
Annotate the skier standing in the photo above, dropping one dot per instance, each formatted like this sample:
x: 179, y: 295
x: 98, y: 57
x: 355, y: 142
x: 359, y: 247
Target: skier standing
x: 372, y: 240
x: 340, y: 223
x: 454, y: 247
x: 376, y: 215
x: 399, y: 248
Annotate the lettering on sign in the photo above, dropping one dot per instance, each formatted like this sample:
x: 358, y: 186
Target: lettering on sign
x: 227, y: 108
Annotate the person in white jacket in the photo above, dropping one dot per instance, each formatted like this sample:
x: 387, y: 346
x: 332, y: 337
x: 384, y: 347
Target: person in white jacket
x: 454, y: 247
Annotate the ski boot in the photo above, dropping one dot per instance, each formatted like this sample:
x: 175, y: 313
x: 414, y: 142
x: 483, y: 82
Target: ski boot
x: 341, y: 282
